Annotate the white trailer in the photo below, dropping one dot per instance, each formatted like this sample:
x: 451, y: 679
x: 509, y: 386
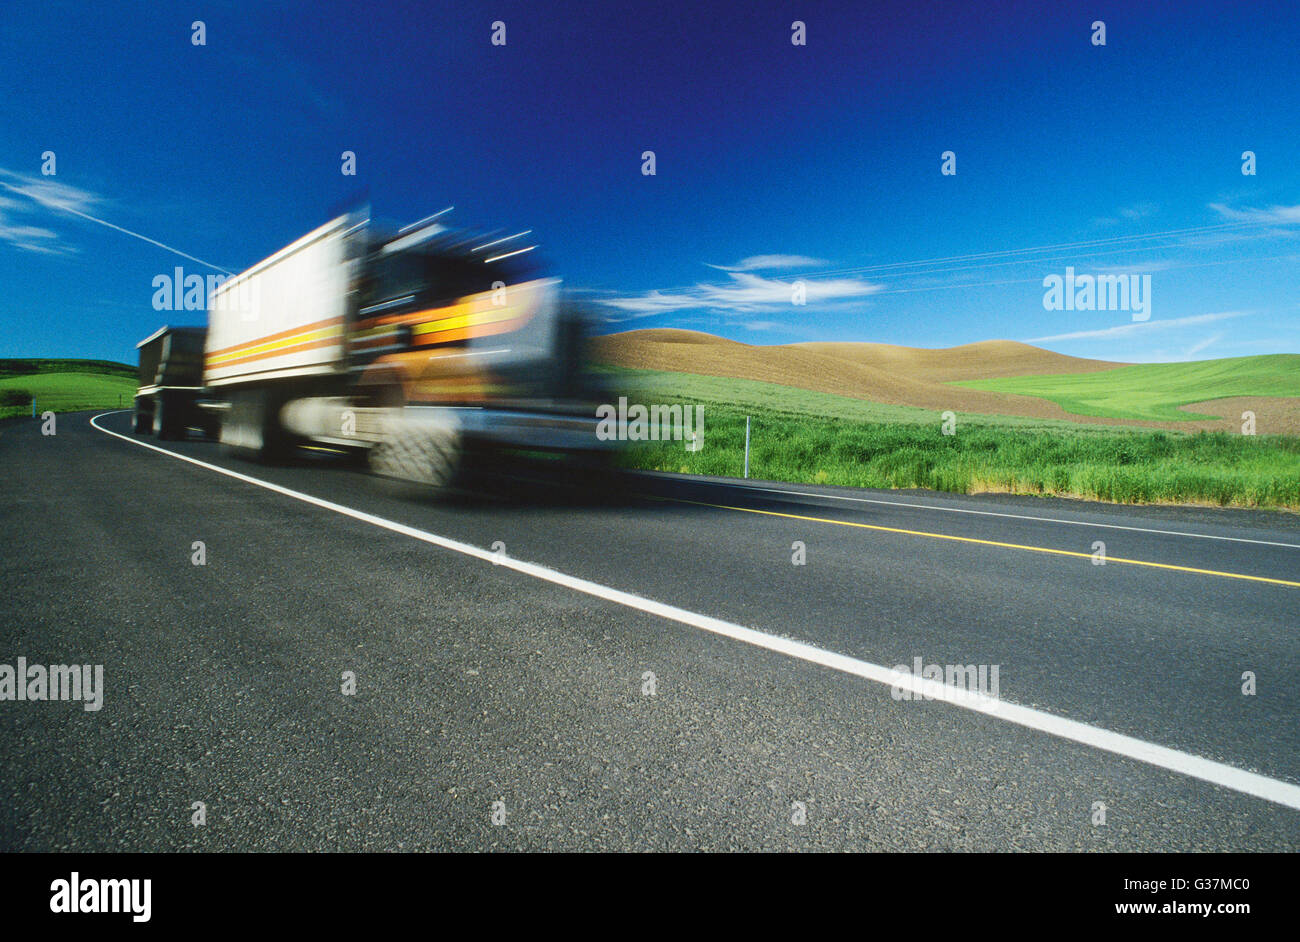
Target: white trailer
x: 286, y: 316
x: 419, y: 347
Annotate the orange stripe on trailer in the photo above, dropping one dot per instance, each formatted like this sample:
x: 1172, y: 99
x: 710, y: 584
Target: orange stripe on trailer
x: 276, y: 336
x: 333, y: 332
x: 286, y: 351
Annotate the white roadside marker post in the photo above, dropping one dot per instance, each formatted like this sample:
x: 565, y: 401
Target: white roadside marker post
x: 746, y: 446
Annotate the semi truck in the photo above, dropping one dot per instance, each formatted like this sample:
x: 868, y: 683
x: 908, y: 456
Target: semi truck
x: 424, y: 348
x: 171, y: 380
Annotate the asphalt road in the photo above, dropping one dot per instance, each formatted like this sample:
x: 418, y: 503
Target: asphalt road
x: 479, y: 683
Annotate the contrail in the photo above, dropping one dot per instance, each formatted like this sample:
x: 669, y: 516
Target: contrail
x: 46, y: 201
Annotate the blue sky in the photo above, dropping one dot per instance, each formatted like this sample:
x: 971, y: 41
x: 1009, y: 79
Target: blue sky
x: 774, y: 162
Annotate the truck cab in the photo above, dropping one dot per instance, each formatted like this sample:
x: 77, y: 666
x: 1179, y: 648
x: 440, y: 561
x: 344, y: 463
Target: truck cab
x: 421, y: 347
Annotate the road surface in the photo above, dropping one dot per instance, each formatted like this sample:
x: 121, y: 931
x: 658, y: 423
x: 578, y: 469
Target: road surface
x: 654, y: 673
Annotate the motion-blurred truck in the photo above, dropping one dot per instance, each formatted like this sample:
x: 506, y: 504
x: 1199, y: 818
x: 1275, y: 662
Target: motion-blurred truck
x: 421, y: 347
x: 171, y: 381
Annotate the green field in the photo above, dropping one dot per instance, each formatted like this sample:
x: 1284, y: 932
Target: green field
x: 63, y: 386
x: 1154, y: 391
x: 755, y: 396
x: 816, y: 438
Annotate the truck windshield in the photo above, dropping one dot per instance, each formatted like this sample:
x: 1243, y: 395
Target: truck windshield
x: 434, y: 279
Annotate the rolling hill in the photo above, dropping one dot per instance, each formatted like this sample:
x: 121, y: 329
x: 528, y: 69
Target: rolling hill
x: 994, y: 377
x: 63, y: 385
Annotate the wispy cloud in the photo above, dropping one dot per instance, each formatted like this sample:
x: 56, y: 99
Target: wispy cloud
x: 768, y: 262
x: 1201, y: 345
x: 47, y: 191
x: 1128, y: 214
x: 51, y: 194
x: 1139, y: 327
x: 41, y: 193
x: 1140, y: 211
x: 743, y: 294
x: 1274, y: 215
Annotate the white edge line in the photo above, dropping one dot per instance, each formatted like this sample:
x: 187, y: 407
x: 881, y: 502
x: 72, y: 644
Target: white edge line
x: 988, y: 513
x: 1216, y: 773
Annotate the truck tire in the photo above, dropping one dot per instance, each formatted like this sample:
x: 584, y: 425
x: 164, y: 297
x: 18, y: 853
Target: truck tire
x: 211, y: 428
x: 422, y: 452
x: 167, y: 422
x: 142, y: 420
x: 251, y: 427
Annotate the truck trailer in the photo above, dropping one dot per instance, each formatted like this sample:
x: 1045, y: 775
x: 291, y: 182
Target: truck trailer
x: 171, y: 381
x: 422, y: 348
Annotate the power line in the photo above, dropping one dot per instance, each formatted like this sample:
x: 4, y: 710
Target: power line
x: 1101, y: 243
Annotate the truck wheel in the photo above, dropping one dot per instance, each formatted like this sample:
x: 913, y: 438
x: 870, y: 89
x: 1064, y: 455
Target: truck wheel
x: 422, y: 452
x: 251, y: 427
x: 164, y: 419
x: 278, y: 444
x: 142, y: 420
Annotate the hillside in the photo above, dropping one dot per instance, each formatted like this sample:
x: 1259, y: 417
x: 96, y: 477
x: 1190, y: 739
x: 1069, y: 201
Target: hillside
x: 20, y: 367
x: 64, y: 385
x: 997, y: 377
x: 893, y: 375
x: 1269, y: 385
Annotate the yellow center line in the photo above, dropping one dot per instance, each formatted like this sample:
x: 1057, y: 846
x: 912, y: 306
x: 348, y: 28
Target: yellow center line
x: 971, y: 539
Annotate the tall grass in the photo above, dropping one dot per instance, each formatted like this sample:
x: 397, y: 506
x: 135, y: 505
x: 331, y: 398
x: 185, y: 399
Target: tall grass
x: 1122, y: 466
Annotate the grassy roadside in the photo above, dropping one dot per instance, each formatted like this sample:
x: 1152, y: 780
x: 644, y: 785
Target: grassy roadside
x: 63, y: 386
x: 811, y: 438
